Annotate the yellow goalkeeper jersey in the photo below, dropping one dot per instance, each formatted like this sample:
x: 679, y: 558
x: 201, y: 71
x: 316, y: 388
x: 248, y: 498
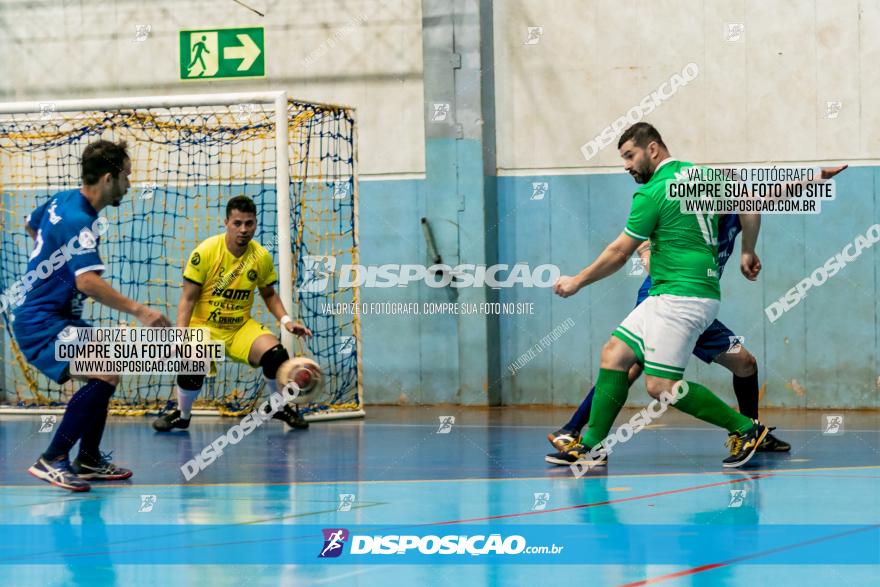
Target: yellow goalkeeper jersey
x: 227, y: 281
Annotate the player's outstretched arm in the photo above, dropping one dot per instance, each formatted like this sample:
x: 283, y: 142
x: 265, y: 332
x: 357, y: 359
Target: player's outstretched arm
x: 91, y: 284
x: 273, y: 302
x: 609, y: 261
x: 825, y: 173
x: 191, y: 293
x: 750, y: 264
x: 829, y: 172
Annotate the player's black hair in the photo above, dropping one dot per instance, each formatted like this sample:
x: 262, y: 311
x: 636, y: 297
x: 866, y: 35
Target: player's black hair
x: 242, y: 204
x: 642, y: 134
x: 102, y: 157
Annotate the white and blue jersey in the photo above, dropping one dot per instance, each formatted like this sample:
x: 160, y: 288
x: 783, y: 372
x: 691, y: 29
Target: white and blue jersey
x: 66, y: 245
x: 717, y: 338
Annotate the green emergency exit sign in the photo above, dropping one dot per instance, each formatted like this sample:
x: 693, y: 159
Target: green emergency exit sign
x: 211, y: 54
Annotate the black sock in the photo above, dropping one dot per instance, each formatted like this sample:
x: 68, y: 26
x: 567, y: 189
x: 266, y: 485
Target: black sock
x: 746, y: 390
x: 89, y: 451
x: 79, y: 417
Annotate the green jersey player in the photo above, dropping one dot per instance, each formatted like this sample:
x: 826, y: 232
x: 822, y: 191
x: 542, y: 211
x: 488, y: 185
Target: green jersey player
x: 683, y: 301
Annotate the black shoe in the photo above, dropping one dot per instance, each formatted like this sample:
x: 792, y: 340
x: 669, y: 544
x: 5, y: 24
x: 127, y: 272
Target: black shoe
x: 166, y: 422
x: 773, y: 444
x: 577, y: 453
x: 103, y: 470
x: 291, y: 416
x: 59, y: 474
x: 743, y: 446
x: 563, y: 438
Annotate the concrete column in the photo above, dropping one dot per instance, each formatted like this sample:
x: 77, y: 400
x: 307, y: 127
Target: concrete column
x: 461, y: 202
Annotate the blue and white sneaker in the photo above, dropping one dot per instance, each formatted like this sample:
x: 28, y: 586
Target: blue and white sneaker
x: 103, y: 470
x: 59, y: 474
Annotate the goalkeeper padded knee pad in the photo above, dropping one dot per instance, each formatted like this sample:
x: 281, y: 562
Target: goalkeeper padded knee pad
x: 272, y: 359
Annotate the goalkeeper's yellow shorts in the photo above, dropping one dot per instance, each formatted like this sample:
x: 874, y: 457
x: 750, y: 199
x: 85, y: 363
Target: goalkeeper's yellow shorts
x: 237, y: 342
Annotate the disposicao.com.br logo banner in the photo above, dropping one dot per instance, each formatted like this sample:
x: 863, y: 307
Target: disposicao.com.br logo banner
x: 458, y: 544
x: 419, y: 544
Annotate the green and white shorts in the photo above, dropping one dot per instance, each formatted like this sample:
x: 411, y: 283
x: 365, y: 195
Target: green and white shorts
x: 663, y: 330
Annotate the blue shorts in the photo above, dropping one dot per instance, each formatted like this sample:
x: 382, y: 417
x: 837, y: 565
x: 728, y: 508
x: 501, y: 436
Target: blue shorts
x: 715, y: 340
x: 37, y: 344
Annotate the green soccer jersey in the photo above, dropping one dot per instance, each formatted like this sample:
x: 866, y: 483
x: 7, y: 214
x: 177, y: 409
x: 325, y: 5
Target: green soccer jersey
x: 683, y: 246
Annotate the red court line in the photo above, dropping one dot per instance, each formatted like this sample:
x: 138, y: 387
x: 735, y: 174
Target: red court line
x: 598, y: 503
x: 709, y: 567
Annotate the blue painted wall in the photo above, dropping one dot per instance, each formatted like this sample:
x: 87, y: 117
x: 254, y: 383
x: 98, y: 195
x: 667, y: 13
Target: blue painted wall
x: 822, y: 353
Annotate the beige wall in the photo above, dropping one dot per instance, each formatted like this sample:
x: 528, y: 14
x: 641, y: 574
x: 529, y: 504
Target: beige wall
x: 367, y: 54
x: 762, y: 98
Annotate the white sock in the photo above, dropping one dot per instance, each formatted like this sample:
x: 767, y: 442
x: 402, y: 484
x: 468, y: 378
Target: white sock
x: 185, y: 400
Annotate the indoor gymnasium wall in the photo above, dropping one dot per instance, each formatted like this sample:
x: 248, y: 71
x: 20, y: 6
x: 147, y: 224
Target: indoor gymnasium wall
x: 365, y: 54
x: 589, y: 66
x: 761, y: 97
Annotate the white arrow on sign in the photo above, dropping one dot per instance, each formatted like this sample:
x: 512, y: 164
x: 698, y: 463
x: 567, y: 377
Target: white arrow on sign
x: 247, y: 52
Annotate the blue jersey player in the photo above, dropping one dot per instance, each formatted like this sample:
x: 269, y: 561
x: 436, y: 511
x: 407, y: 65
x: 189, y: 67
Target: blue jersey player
x: 717, y: 344
x: 65, y: 268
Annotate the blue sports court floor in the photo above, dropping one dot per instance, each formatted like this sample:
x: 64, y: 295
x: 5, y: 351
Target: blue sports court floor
x: 664, y: 512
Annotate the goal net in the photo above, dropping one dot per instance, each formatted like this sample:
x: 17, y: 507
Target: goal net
x: 190, y: 155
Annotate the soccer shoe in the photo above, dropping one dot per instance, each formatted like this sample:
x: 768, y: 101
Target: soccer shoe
x: 170, y: 420
x: 59, y: 474
x: 773, y: 444
x: 743, y: 446
x: 563, y: 438
x: 730, y: 443
x: 577, y: 453
x: 103, y: 470
x: 291, y: 416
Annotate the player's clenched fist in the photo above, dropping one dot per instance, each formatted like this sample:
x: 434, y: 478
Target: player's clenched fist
x: 566, y: 286
x: 750, y: 265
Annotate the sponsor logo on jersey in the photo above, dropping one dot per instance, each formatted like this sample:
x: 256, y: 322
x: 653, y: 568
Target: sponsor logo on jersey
x: 54, y: 218
x: 252, y: 275
x: 233, y: 294
x: 196, y: 259
x: 215, y: 316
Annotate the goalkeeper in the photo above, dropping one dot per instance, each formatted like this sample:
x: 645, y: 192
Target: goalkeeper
x: 218, y: 293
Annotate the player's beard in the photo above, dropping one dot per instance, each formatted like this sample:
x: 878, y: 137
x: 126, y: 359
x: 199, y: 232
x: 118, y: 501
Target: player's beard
x: 642, y: 173
x: 117, y: 195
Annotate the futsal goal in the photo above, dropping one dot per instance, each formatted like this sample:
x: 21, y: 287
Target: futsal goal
x: 190, y: 154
